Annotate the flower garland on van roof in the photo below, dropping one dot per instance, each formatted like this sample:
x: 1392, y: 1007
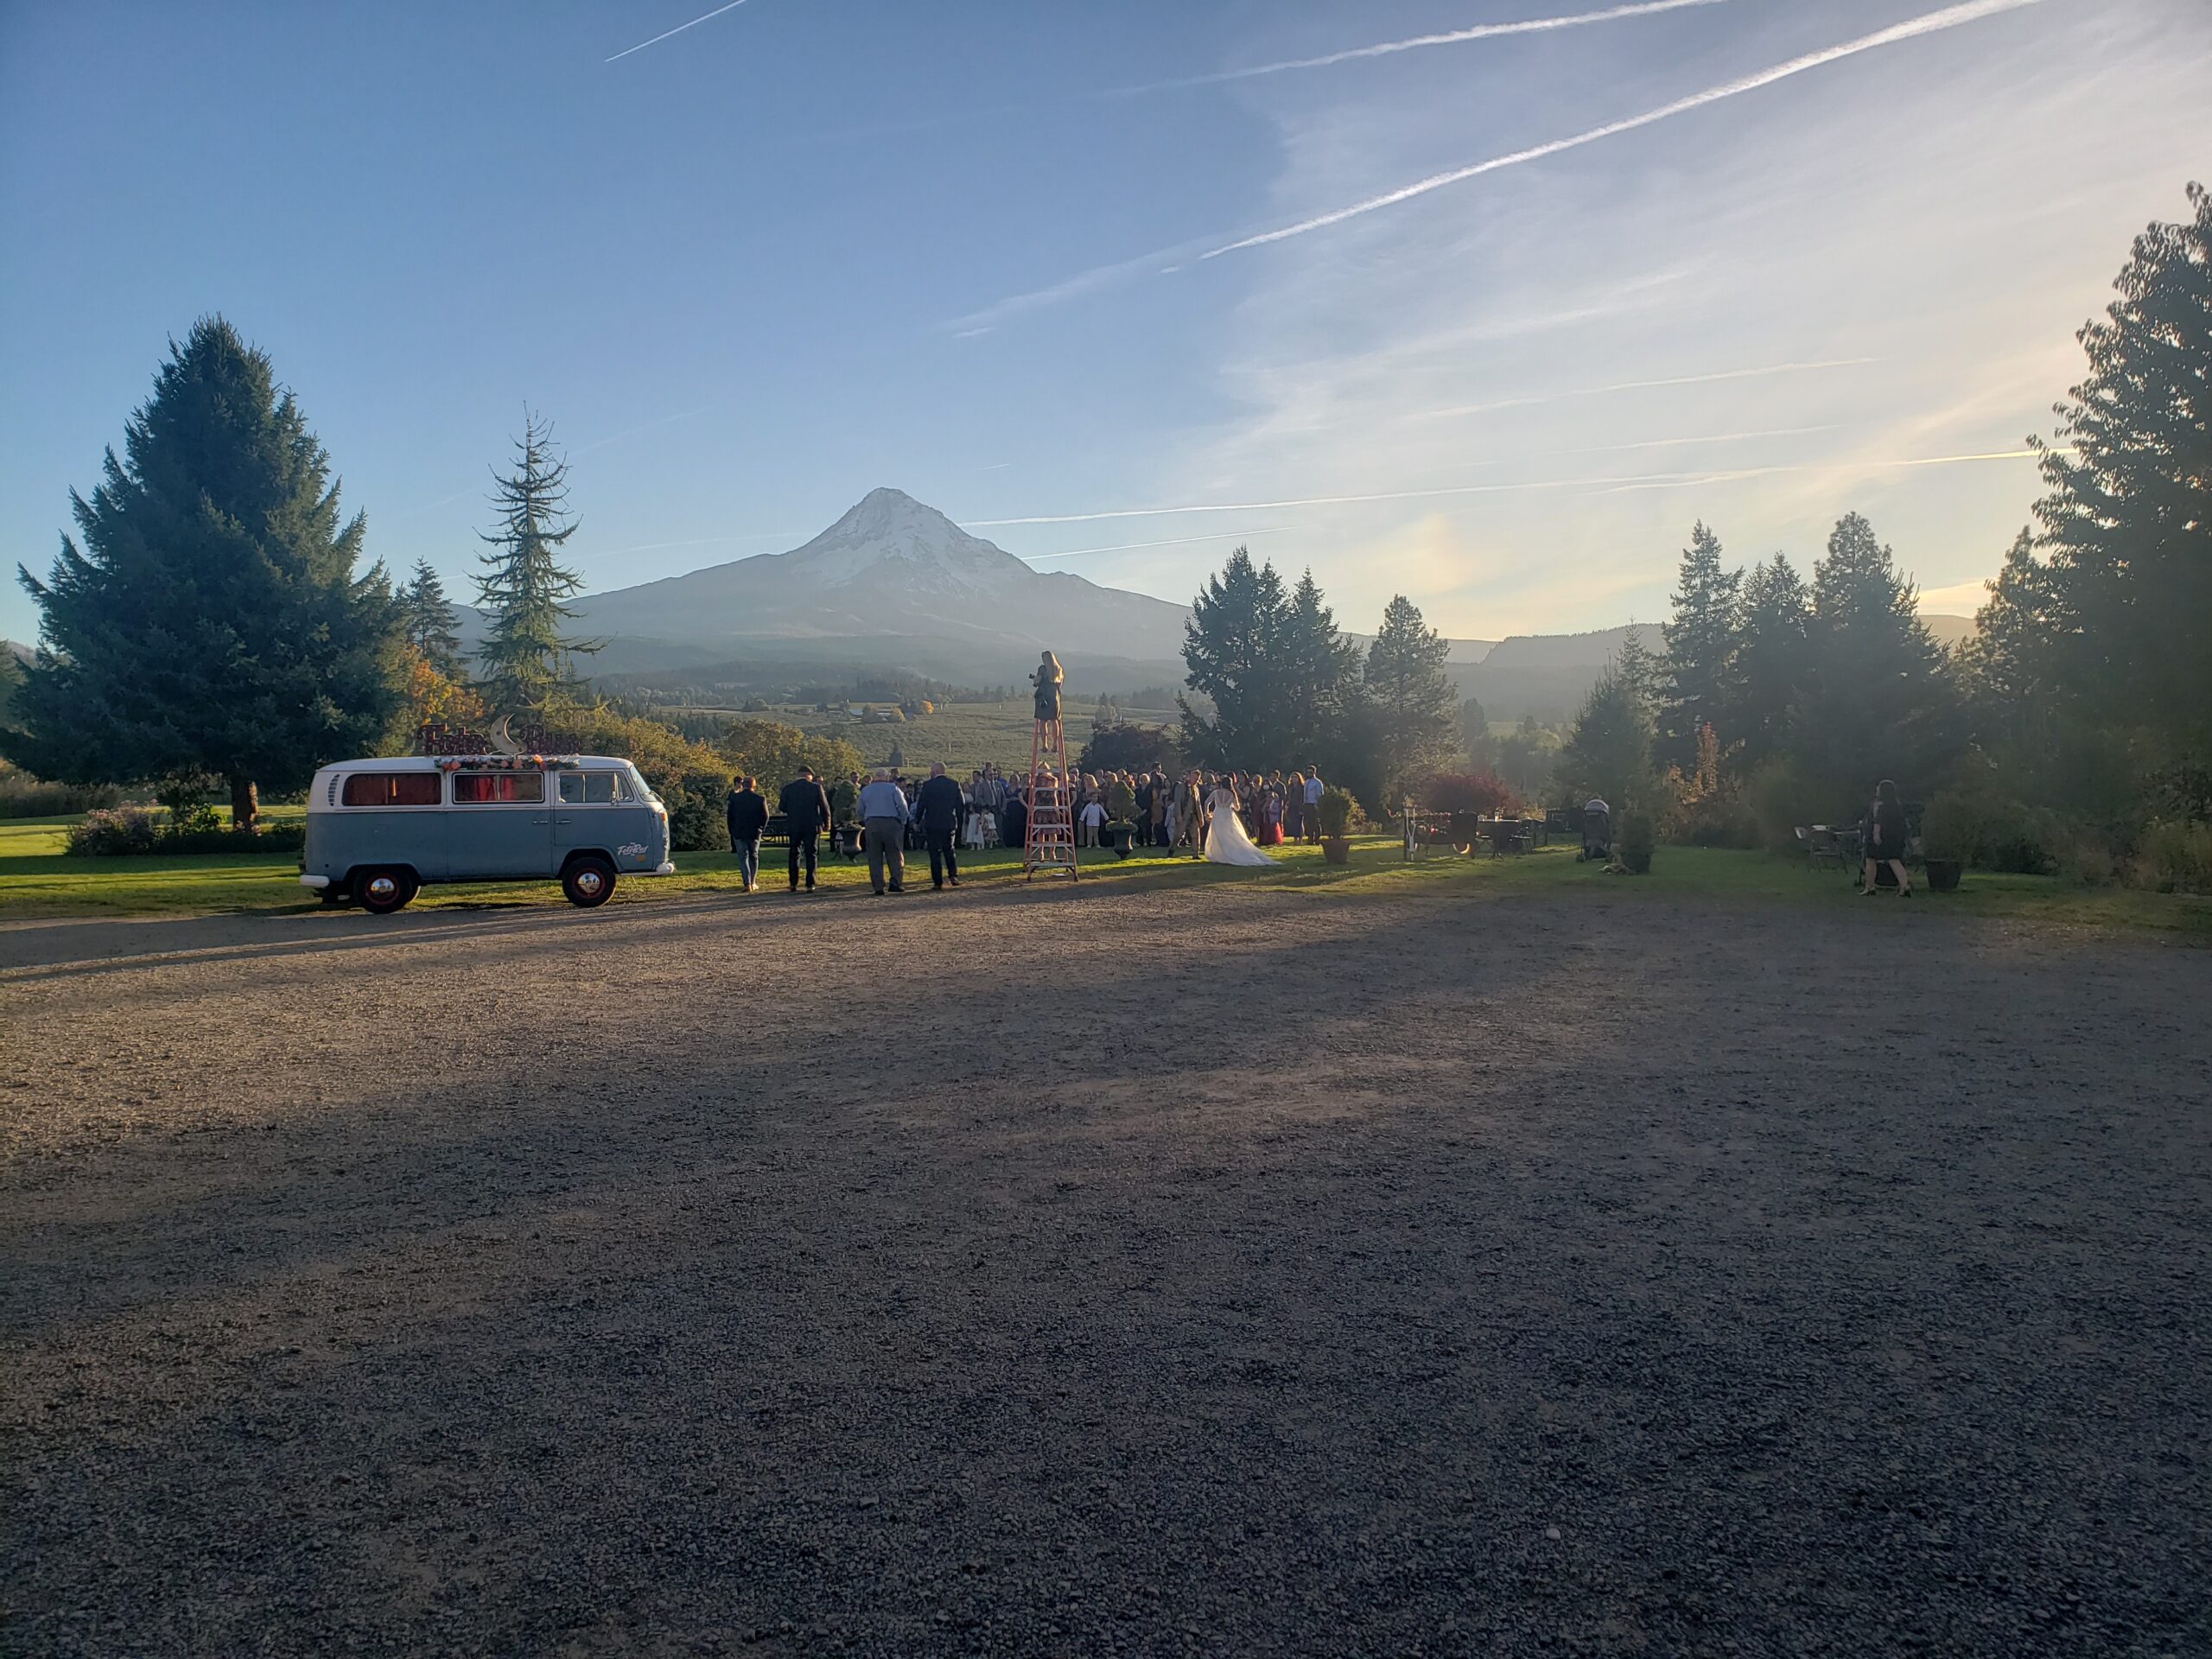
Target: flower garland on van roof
x: 509, y: 762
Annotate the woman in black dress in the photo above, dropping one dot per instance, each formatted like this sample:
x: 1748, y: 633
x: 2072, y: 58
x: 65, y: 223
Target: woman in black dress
x: 1885, y: 839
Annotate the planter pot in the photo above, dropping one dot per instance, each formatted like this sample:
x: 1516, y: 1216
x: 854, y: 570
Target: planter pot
x: 1337, y: 848
x: 1942, y: 874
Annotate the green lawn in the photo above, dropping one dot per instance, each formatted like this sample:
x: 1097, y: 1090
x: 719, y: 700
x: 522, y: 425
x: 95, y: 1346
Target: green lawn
x: 37, y: 878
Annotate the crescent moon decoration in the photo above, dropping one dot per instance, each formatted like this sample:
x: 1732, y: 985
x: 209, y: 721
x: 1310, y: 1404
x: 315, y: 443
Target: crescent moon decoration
x: 501, y: 742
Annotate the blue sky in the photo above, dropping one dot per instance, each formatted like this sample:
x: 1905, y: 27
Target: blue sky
x: 807, y: 247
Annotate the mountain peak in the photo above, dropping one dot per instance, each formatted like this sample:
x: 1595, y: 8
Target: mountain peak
x: 889, y: 528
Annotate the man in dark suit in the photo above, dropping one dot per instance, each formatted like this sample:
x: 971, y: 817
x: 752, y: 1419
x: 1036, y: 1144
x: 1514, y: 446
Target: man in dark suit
x: 938, y: 807
x: 805, y: 807
x: 749, y: 817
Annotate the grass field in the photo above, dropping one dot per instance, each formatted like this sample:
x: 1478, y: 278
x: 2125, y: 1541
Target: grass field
x: 37, y: 878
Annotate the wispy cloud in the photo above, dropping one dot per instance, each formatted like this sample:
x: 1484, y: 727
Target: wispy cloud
x: 1387, y: 49
x: 1912, y: 28
x: 1173, y: 541
x: 1640, y: 385
x: 1648, y: 480
x: 678, y: 29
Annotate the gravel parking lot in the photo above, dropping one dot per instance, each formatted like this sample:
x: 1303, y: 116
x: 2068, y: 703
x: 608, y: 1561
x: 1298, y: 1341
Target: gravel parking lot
x: 1205, y: 1270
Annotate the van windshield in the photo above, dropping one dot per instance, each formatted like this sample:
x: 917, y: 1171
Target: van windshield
x: 645, y: 790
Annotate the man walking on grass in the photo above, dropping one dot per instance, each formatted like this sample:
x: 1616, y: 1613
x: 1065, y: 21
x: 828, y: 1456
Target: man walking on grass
x: 938, y: 806
x: 805, y: 808
x: 749, y: 817
x: 884, y: 816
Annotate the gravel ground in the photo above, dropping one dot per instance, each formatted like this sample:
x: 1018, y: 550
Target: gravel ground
x: 1306, y: 1274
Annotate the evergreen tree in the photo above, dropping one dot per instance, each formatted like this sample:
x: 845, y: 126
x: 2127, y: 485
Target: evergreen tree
x: 527, y: 661
x: 1232, y: 647
x: 1608, y: 752
x: 1770, y: 663
x: 2126, y: 609
x: 1321, y: 676
x: 1412, y: 709
x: 429, y: 621
x: 1877, y: 698
x: 1702, y: 640
x: 213, y: 622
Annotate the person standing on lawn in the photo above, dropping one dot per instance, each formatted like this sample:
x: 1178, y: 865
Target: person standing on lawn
x: 938, y: 807
x: 749, y: 817
x: 1887, y: 834
x: 884, y: 816
x: 805, y: 807
x: 1312, y: 816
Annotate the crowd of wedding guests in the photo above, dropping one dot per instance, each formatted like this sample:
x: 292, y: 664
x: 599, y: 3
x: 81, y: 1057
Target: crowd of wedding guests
x: 1162, y: 810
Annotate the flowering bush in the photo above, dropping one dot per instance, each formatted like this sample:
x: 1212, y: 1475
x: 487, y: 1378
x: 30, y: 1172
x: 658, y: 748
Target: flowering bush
x: 120, y: 830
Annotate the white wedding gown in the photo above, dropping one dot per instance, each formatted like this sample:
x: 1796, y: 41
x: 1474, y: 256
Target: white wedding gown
x: 1226, y: 841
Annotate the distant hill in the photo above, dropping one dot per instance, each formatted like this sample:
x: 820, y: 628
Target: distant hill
x: 1546, y: 675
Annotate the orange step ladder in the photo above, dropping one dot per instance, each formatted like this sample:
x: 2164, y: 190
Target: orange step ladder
x: 1048, y: 844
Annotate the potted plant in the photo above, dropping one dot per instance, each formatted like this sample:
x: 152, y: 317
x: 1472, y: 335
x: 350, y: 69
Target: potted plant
x: 1947, y: 841
x: 1120, y: 836
x: 1336, y: 820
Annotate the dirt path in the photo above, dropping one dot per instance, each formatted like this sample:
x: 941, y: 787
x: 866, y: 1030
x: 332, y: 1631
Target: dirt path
x: 1328, y: 1275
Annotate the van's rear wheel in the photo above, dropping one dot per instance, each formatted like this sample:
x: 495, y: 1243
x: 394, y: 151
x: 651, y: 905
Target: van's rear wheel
x: 383, y: 891
x: 589, y: 881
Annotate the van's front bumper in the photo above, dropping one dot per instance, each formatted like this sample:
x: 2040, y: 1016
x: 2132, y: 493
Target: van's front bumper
x: 667, y: 867
x: 318, y: 882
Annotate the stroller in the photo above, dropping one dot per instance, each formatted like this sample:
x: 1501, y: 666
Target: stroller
x: 1597, y: 833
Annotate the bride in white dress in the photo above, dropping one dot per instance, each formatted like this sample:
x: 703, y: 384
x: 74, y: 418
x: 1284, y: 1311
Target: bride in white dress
x: 1226, y: 841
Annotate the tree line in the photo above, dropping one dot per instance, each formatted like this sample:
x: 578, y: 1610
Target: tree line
x: 2072, y: 731
x: 1280, y: 687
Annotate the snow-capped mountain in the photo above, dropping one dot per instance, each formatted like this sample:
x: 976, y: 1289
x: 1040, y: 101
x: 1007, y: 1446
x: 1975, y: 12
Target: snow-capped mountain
x: 895, y: 584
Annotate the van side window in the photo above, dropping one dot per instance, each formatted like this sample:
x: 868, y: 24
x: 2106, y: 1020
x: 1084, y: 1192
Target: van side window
x: 593, y: 788
x: 390, y: 788
x: 490, y: 788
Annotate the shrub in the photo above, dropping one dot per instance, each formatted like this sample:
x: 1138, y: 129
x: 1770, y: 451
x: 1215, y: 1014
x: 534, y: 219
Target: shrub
x: 1992, y: 832
x: 134, y: 830
x: 696, y: 821
x: 1480, y: 790
x: 1778, y: 799
x: 106, y: 834
x: 2174, y: 857
x: 1336, y: 811
x: 22, y: 796
x: 1636, y: 844
x: 1720, y: 819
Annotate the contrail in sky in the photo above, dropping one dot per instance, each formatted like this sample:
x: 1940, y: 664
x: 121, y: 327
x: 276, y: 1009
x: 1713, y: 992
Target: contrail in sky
x: 1173, y: 541
x: 678, y: 29
x: 1454, y: 37
x: 1929, y: 24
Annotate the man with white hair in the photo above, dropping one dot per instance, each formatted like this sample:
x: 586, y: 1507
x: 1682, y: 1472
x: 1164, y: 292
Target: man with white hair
x: 884, y: 816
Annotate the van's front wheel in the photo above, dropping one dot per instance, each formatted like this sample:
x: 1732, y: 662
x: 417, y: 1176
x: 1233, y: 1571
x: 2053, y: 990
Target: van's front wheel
x: 383, y: 891
x: 589, y: 881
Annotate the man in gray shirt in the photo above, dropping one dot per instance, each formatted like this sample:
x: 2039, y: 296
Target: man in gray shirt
x: 884, y: 815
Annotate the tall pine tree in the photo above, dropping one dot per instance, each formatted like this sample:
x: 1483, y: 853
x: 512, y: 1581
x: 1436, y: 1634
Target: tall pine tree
x: 1701, y: 639
x: 1320, y: 675
x: 1232, y: 646
x: 1770, y: 666
x: 1608, y: 752
x: 1412, y: 709
x: 1878, y: 699
x: 428, y: 621
x: 2127, y: 604
x: 213, y: 621
x: 527, y: 661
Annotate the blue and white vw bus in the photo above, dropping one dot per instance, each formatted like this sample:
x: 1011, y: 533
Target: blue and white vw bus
x: 377, y: 829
